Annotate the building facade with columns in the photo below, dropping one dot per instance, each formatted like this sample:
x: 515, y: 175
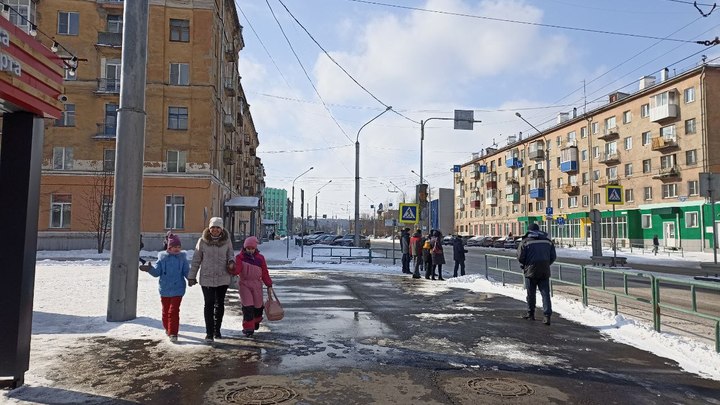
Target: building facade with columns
x: 654, y: 143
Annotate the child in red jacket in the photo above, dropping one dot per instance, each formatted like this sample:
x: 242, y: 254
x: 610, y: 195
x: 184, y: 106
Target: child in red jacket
x: 251, y: 267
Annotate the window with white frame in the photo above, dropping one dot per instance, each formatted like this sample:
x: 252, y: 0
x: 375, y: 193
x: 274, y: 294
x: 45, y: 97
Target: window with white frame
x: 585, y: 200
x: 668, y: 132
x: 67, y: 119
x: 595, y: 152
x: 691, y: 157
x: 583, y: 155
x: 62, y: 158
x: 669, y: 190
x: 610, y: 123
x: 179, y: 30
x: 646, y: 221
x: 693, y: 188
x: 583, y: 132
x: 176, y: 161
x: 628, y: 143
x: 667, y: 162
x: 595, y: 127
x: 596, y: 198
x: 60, y: 210
x: 647, y: 166
x: 180, y: 74
x: 22, y: 13
x: 691, y: 219
x: 646, y: 138
x: 628, y: 169
x: 647, y: 193
x: 177, y: 118
x: 174, y: 212
x: 572, y: 202
x: 585, y: 178
x: 596, y: 175
x: 115, y: 23
x: 645, y: 110
x: 627, y: 117
x: 611, y: 173
x: 690, y: 127
x: 629, y: 195
x: 540, y: 205
x: 68, y: 23
x: 689, y: 95
x: 561, y: 203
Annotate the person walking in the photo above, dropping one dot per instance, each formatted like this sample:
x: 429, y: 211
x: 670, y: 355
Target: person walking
x: 416, y: 244
x: 405, y: 249
x: 656, y: 245
x: 214, y: 260
x: 458, y: 256
x: 536, y: 253
x: 438, y: 255
x: 253, y: 271
x: 171, y: 269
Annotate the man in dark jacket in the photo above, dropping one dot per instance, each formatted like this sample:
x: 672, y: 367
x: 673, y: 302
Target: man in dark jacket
x: 405, y: 249
x: 536, y: 253
x: 416, y: 244
x: 458, y: 255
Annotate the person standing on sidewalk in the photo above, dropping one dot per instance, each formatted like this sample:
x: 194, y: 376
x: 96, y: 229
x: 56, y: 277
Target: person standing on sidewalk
x: 253, y: 271
x: 214, y: 259
x: 172, y: 269
x: 458, y: 256
x: 536, y: 253
x: 405, y: 249
x: 656, y: 245
x: 427, y: 258
x: 438, y: 255
x: 416, y: 244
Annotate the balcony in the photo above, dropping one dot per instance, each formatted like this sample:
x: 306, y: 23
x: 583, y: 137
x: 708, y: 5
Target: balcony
x: 608, y: 181
x: 537, y: 154
x: 230, y: 54
x: 537, y: 174
x: 663, y: 143
x: 492, y: 200
x: 537, y: 193
x: 663, y: 112
x: 513, y: 197
x: 112, y: 39
x: 229, y: 87
x: 460, y: 180
x: 228, y: 122
x: 475, y: 174
x: 671, y: 172
x: 111, y: 86
x: 512, y: 180
x: 475, y: 204
x: 513, y: 162
x: 239, y: 120
x: 610, y: 158
x: 570, y: 189
x: 228, y: 156
x: 609, y: 134
x: 105, y: 131
x: 569, y: 166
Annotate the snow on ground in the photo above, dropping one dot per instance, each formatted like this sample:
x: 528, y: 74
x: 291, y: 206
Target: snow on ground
x: 68, y: 306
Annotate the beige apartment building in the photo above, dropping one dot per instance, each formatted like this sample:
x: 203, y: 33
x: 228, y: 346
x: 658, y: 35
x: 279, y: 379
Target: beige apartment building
x: 200, y: 153
x: 654, y: 143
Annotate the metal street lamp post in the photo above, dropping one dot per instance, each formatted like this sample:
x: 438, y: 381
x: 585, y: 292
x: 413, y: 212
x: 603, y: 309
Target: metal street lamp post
x: 548, y: 201
x: 399, y: 189
x: 357, y: 175
x: 316, y: 194
x: 292, y: 213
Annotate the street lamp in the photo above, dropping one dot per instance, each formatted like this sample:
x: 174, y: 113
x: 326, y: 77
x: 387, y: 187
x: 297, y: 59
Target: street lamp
x: 399, y: 189
x: 548, y: 201
x: 429, y: 197
x: 292, y: 212
x: 357, y: 175
x: 316, y: 194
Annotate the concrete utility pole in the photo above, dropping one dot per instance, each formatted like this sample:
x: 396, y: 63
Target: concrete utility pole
x: 129, y: 158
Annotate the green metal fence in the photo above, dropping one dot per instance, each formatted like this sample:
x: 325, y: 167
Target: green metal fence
x: 616, y: 283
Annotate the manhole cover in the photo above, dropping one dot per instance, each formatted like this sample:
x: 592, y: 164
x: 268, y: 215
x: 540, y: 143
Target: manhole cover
x: 259, y: 395
x: 502, y: 387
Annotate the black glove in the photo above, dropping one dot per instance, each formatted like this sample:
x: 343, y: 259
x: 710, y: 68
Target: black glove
x: 146, y: 267
x: 191, y: 282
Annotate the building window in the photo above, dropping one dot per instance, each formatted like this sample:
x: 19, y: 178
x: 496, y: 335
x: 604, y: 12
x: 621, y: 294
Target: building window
x: 177, y: 118
x: 21, y: 13
x: 583, y: 132
x: 667, y: 162
x: 561, y: 203
x: 647, y: 193
x: 540, y: 206
x: 645, y: 110
x: 585, y: 200
x: 596, y: 198
x: 627, y: 117
x: 62, y: 158
x: 646, y: 221
x: 67, y: 119
x: 585, y: 178
x: 596, y: 175
x: 628, y: 143
x: 558, y: 140
x: 691, y: 157
x: 115, y: 23
x: 693, y: 187
x: 646, y: 138
x: 583, y: 155
x: 629, y: 195
x: 109, y: 160
x: 690, y: 127
x: 572, y: 202
x: 176, y: 161
x: 179, y: 30
x: 174, y: 212
x: 669, y: 190
x: 595, y: 127
x: 691, y: 219
x: 689, y: 95
x: 60, y: 207
x: 628, y: 169
x: 109, y: 127
x: 668, y: 132
x: 647, y: 166
x: 68, y: 23
x: 180, y: 74
x: 610, y: 122
x: 595, y: 152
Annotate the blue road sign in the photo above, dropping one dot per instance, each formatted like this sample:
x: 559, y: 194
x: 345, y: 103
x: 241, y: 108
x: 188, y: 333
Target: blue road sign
x: 548, y: 211
x: 456, y: 169
x: 560, y: 221
x: 409, y: 213
x: 614, y: 195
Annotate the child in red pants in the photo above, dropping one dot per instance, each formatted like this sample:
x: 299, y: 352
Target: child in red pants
x: 172, y: 268
x: 253, y: 271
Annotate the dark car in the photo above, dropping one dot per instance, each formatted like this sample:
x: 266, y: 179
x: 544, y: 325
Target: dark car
x: 466, y: 238
x: 349, y: 240
x: 313, y: 239
x: 475, y: 241
x: 512, y: 243
x: 327, y: 239
x: 499, y: 243
x: 488, y: 241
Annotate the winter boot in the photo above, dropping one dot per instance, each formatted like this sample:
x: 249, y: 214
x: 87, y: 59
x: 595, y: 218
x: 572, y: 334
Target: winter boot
x: 546, y: 320
x: 530, y: 316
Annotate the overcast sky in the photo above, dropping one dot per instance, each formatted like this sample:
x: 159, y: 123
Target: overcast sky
x: 426, y: 59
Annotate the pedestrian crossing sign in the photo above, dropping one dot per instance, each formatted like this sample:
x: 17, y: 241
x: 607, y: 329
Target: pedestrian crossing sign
x: 614, y: 195
x: 409, y: 213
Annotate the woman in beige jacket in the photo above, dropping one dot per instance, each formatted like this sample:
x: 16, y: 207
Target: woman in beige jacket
x: 214, y: 259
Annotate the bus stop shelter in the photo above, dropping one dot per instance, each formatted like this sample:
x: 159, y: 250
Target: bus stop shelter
x: 240, y: 227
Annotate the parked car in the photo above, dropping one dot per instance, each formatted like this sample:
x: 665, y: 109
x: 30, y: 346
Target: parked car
x: 327, y: 239
x: 489, y: 240
x: 498, y: 243
x: 512, y: 243
x: 466, y: 238
x: 313, y: 238
x: 475, y: 241
x: 349, y: 240
x: 447, y: 240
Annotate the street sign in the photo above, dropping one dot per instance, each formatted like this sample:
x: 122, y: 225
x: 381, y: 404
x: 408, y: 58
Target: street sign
x: 550, y: 217
x: 614, y: 195
x: 464, y: 119
x: 682, y: 198
x: 560, y: 221
x: 548, y: 211
x: 409, y: 213
x: 391, y: 222
x: 456, y: 169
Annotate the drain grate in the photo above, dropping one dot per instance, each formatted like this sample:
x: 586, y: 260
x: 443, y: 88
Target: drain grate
x: 259, y: 395
x: 501, y: 387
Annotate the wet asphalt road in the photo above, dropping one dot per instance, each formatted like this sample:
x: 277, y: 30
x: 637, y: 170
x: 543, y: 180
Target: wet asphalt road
x: 383, y: 339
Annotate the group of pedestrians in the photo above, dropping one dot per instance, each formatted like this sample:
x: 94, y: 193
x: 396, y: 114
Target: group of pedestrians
x: 213, y: 266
